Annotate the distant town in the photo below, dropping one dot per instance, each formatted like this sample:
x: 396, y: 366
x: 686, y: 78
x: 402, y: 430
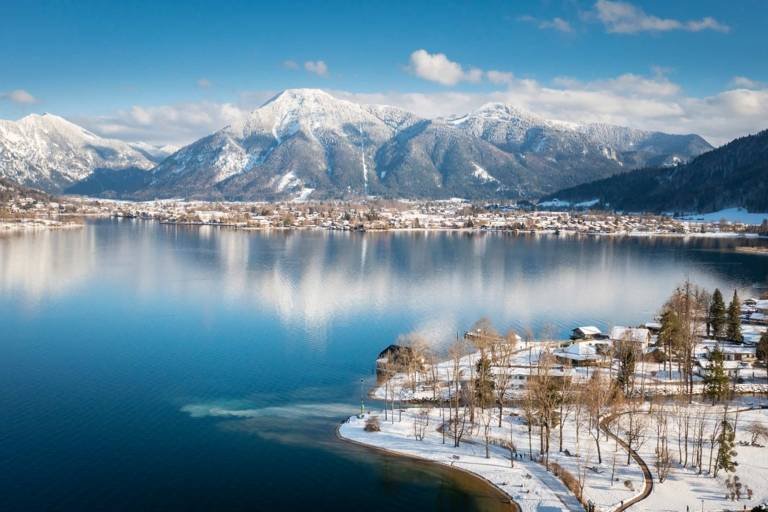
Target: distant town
x: 23, y: 212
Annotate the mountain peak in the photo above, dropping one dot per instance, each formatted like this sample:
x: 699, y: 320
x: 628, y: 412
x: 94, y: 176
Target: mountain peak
x: 301, y: 95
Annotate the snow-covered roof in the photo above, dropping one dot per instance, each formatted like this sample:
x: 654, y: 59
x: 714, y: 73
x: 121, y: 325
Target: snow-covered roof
x: 727, y: 348
x: 588, y: 329
x: 578, y: 352
x: 636, y: 334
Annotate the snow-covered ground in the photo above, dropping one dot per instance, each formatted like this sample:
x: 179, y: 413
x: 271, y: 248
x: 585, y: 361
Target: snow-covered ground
x: 739, y: 215
x: 685, y: 487
x: 528, y: 483
x: 606, y: 484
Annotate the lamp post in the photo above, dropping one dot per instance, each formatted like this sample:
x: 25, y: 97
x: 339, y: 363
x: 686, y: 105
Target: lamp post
x: 362, y: 405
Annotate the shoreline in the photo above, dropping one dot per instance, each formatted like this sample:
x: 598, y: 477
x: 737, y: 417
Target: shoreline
x: 503, y: 496
x: 463, y: 230
x: 758, y: 251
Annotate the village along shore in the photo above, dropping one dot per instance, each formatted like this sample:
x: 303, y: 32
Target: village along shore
x: 668, y: 414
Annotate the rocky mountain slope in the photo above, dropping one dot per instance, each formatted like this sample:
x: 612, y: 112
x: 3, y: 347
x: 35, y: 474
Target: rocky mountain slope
x: 734, y: 175
x: 51, y: 153
x: 306, y: 143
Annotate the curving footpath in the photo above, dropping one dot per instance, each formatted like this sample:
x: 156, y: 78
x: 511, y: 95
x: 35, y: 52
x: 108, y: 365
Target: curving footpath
x: 647, y: 475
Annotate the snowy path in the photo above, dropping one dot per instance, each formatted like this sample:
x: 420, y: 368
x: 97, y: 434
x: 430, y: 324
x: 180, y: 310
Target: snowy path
x: 647, y: 476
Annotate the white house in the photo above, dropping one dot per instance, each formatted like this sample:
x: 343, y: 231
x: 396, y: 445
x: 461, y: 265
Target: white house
x: 578, y: 354
x: 587, y: 332
x: 638, y: 335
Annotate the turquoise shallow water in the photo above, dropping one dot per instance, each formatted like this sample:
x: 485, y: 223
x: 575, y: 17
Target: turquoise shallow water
x: 154, y: 367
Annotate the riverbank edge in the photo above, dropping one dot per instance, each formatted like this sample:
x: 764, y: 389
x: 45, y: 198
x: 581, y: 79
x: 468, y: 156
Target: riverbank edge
x: 505, y: 497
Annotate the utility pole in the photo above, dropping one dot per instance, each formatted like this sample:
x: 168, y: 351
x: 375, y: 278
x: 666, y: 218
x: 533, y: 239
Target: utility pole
x: 362, y: 405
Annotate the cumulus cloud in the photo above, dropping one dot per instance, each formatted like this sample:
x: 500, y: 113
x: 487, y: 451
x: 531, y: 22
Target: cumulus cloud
x: 204, y: 83
x: 318, y: 67
x: 742, y: 82
x: 558, y: 24
x: 290, y: 64
x: 651, y: 102
x: 646, y: 102
x: 19, y: 96
x: 625, y: 18
x: 499, y: 77
x: 176, y: 124
x: 436, y: 67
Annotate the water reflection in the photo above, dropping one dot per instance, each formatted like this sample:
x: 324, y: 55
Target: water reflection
x: 309, y: 279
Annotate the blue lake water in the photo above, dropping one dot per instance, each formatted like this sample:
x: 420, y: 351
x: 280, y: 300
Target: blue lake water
x: 155, y: 367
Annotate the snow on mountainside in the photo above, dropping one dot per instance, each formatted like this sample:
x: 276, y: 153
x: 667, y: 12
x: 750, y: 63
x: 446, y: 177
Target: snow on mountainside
x: 49, y: 152
x: 516, y: 130
x: 299, y: 139
x: 305, y: 143
x: 306, y: 139
x: 156, y: 153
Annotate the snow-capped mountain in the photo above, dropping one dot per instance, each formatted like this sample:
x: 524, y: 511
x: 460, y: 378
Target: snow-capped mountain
x: 50, y: 153
x: 306, y: 143
x: 298, y: 140
x: 578, y: 152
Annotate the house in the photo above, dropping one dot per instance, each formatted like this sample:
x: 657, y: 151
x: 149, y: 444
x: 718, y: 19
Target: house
x: 587, y: 332
x: 730, y: 351
x: 653, y: 327
x: 733, y: 369
x: 578, y: 354
x: 641, y: 336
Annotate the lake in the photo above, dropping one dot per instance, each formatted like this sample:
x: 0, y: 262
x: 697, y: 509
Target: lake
x: 159, y: 367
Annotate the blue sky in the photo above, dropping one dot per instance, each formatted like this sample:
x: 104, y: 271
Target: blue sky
x: 116, y: 67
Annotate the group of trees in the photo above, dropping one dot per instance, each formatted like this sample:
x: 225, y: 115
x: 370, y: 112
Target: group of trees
x: 688, y: 314
x: 724, y: 322
x: 473, y: 390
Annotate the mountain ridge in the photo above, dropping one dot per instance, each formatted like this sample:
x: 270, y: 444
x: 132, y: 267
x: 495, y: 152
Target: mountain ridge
x: 304, y: 143
x: 47, y: 152
x: 733, y: 175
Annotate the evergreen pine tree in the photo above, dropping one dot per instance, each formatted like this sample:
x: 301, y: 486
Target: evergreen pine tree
x: 484, y: 384
x: 626, y: 353
x: 669, y: 335
x: 726, y: 455
x: 716, y: 380
x: 733, y: 326
x: 717, y: 316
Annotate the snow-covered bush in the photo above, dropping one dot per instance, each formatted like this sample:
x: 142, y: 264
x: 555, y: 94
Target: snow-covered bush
x: 372, y: 424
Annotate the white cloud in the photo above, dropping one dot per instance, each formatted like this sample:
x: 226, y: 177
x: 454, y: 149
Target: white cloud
x: 204, y: 83
x: 650, y: 102
x: 436, y: 67
x: 499, y: 77
x: 742, y: 82
x: 166, y: 124
x: 317, y: 67
x: 558, y: 24
x: 18, y: 96
x: 290, y: 64
x: 625, y: 18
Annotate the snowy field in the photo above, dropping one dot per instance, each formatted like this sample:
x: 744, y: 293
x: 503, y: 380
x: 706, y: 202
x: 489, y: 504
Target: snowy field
x: 606, y: 484
x: 738, y: 215
x: 608, y: 479
x: 528, y: 483
x: 686, y: 486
